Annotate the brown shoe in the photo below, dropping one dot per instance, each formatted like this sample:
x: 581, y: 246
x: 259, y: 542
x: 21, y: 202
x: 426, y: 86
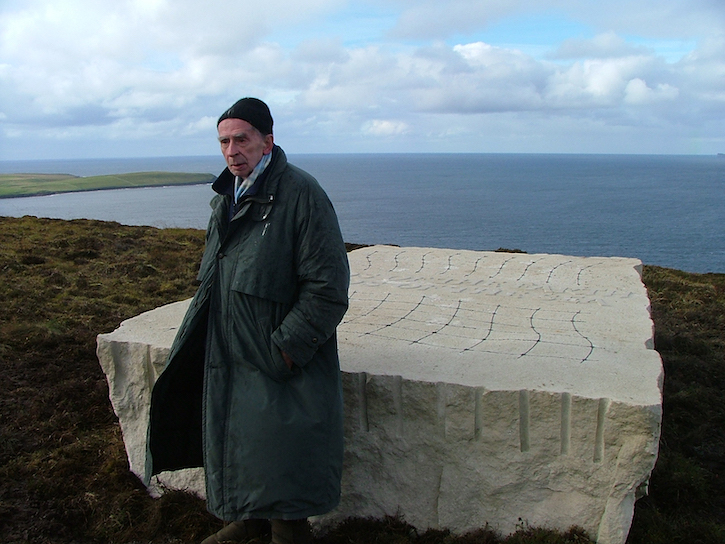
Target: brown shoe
x: 296, y: 531
x: 238, y: 532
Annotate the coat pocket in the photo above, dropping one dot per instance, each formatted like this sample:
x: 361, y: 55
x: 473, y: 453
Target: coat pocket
x: 271, y: 361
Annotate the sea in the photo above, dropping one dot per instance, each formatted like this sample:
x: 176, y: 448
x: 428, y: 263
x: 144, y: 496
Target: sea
x: 666, y: 210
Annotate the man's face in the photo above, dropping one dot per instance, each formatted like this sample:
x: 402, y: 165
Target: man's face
x: 242, y: 145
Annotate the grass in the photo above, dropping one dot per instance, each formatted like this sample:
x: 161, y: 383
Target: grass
x: 63, y: 472
x: 16, y: 185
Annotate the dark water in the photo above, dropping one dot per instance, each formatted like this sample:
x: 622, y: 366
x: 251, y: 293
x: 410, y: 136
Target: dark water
x: 664, y: 210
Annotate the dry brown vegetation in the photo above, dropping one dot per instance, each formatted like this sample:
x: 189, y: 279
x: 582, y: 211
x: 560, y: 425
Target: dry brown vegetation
x: 63, y: 472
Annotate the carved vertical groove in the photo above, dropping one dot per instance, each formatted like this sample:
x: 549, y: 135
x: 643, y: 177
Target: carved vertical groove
x: 599, y: 440
x: 478, y: 414
x: 565, y: 423
x: 524, y: 420
x: 441, y: 400
x: 362, y: 395
x: 398, y: 403
x: 150, y: 373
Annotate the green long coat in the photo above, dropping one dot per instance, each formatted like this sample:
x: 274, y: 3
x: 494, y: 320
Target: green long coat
x: 273, y: 278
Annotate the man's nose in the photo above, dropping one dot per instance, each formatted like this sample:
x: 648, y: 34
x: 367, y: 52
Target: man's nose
x: 233, y: 148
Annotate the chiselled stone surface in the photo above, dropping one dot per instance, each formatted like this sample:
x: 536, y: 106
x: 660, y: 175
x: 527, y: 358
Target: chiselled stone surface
x: 132, y: 357
x: 480, y: 388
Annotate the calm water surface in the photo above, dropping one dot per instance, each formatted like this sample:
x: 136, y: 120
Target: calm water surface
x: 664, y: 210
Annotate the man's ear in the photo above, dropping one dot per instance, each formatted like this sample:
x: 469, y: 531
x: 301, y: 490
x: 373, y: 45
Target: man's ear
x: 268, y: 144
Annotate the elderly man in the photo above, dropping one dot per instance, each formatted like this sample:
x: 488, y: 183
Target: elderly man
x: 252, y: 390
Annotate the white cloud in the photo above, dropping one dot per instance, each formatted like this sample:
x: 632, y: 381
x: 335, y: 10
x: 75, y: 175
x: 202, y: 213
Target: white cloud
x: 134, y: 71
x: 637, y: 92
x: 606, y: 45
x: 592, y: 83
x: 385, y: 127
x: 431, y: 19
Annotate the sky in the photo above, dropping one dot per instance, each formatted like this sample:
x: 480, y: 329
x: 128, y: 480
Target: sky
x: 149, y: 78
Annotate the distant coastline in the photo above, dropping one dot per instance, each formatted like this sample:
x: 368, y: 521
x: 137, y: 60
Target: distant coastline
x: 24, y: 185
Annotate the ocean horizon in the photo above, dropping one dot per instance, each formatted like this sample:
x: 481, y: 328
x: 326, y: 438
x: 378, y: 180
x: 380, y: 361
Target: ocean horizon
x: 666, y: 210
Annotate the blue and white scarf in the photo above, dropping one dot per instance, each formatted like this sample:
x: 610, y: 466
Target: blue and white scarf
x: 241, y: 186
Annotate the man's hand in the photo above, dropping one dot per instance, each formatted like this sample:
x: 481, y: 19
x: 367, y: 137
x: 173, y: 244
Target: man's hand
x: 288, y: 360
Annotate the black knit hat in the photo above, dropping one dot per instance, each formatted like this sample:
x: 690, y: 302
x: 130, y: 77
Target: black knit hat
x: 253, y: 111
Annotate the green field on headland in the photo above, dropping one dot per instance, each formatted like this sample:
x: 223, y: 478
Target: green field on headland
x: 64, y: 477
x: 16, y: 185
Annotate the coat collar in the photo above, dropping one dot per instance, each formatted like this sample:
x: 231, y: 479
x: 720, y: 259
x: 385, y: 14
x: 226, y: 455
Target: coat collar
x: 266, y: 184
x: 263, y: 192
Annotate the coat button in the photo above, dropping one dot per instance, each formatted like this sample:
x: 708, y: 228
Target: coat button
x: 314, y: 340
x: 220, y: 255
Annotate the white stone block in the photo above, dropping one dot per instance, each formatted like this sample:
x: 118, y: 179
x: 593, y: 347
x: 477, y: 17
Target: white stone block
x: 132, y: 357
x: 480, y: 388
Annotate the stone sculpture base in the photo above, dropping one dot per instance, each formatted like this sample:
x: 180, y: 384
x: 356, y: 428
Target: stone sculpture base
x: 480, y: 388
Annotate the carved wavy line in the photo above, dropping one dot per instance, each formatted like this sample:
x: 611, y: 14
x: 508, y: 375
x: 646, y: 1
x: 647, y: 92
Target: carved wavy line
x: 551, y: 272
x: 475, y: 267
x: 395, y: 259
x: 455, y: 313
x: 488, y: 332
x: 500, y: 268
x: 538, y: 334
x: 377, y: 306
x: 591, y: 346
x: 401, y: 318
x: 527, y: 269
x: 422, y: 262
x: 369, y: 260
x: 450, y: 263
x: 578, y: 276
